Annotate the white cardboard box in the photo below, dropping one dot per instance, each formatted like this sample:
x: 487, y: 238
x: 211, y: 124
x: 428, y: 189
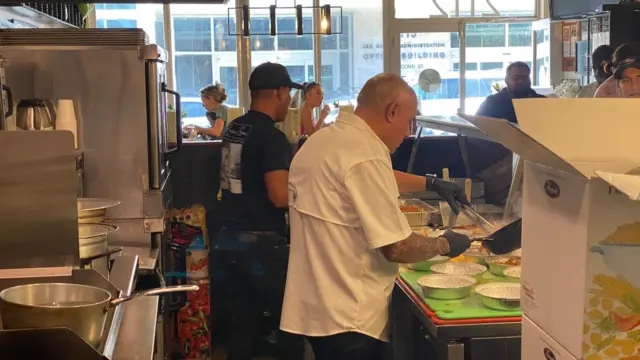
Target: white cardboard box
x: 538, y: 345
x: 581, y: 273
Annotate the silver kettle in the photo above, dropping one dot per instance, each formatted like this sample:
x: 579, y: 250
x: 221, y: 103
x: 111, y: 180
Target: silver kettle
x: 33, y: 114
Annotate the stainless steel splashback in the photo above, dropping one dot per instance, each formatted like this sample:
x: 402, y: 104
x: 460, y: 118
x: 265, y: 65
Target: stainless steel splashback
x: 108, y: 87
x: 38, y: 208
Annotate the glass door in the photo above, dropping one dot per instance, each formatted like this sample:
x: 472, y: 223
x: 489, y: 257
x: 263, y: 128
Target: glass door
x: 432, y: 51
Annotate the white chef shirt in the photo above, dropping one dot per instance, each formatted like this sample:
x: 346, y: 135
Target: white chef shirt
x: 343, y: 206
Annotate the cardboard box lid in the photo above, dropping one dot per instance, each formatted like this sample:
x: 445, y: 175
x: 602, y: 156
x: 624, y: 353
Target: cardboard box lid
x: 628, y: 184
x: 580, y: 136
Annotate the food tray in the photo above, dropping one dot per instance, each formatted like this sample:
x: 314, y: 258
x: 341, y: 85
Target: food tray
x: 470, y: 307
x: 418, y: 218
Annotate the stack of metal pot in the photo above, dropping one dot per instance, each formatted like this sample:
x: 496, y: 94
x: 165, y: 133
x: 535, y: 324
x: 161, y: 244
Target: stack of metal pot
x: 93, y: 234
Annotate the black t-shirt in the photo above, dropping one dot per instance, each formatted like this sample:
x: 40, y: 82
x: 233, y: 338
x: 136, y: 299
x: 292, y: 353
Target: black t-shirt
x: 251, y: 147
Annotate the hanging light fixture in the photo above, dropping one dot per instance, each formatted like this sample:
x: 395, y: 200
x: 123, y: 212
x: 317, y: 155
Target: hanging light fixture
x: 272, y: 20
x: 246, y: 29
x: 325, y: 12
x: 325, y: 25
x: 299, y: 29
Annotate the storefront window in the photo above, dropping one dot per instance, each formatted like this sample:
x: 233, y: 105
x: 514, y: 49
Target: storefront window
x: 490, y: 49
x: 486, y: 35
x: 410, y: 9
x: 204, y: 53
x: 520, y: 34
x: 354, y: 54
x: 294, y: 42
x: 543, y: 64
x: 192, y: 34
x: 148, y: 17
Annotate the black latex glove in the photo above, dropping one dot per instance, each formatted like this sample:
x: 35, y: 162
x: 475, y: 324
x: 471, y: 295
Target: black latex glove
x: 458, y: 243
x: 448, y: 191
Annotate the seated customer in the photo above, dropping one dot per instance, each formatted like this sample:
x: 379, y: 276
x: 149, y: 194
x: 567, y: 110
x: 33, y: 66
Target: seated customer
x: 518, y: 80
x: 307, y: 99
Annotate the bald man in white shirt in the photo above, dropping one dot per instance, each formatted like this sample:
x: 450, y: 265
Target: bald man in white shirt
x: 347, y: 233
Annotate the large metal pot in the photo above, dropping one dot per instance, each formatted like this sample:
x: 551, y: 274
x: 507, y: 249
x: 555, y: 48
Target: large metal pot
x: 93, y: 210
x: 80, y: 308
x: 94, y: 246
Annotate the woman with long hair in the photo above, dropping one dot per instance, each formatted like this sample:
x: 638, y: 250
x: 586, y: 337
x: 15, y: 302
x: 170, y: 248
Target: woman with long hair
x: 307, y: 99
x: 622, y: 55
x: 213, y: 96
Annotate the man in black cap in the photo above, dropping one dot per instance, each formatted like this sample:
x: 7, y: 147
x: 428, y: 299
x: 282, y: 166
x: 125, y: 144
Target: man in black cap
x: 253, y: 183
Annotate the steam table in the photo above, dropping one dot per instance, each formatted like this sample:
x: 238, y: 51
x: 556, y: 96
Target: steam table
x: 419, y: 334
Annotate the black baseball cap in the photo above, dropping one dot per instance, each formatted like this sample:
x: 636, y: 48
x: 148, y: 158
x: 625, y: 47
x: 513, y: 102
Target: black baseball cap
x: 624, y: 65
x: 271, y: 76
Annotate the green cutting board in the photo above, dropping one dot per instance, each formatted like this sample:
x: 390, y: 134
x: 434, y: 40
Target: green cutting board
x: 463, y: 309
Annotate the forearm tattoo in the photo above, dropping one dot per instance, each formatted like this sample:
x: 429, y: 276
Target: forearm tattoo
x: 415, y: 248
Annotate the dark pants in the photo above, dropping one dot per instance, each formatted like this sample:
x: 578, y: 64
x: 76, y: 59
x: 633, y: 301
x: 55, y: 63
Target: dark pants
x: 347, y: 346
x: 257, y: 268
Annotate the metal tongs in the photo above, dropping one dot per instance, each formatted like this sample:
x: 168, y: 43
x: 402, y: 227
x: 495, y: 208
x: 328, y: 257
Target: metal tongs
x: 477, y: 218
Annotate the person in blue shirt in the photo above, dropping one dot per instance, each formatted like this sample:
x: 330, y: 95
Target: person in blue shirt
x: 500, y: 105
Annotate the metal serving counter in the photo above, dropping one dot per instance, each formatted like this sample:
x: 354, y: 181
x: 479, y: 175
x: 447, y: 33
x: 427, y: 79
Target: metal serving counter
x: 451, y: 124
x: 417, y: 336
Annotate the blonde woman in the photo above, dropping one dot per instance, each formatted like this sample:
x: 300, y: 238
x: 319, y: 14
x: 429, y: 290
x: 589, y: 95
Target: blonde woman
x: 213, y: 97
x: 307, y: 99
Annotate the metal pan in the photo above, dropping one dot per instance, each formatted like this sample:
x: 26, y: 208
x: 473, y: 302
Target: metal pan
x: 80, y: 308
x: 94, y: 210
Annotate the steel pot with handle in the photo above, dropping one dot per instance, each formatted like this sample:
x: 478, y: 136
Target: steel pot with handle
x: 80, y: 308
x: 94, y: 246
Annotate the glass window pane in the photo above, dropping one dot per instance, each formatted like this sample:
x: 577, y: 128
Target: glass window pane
x: 229, y: 78
x: 294, y: 42
x: 159, y: 27
x: 149, y: 17
x: 192, y: 34
x: 543, y: 65
x: 297, y: 73
x: 410, y: 9
x: 224, y: 41
x: 351, y: 58
x: 520, y: 34
x: 205, y: 53
x: 486, y: 35
x: 422, y: 51
x: 115, y: 6
x: 488, y: 54
x: 193, y: 72
x: 193, y: 108
x: 491, y: 65
x: 260, y: 25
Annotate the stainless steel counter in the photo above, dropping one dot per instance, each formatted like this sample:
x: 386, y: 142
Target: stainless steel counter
x: 137, y: 335
x: 130, y: 329
x: 148, y: 257
x: 451, y: 124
